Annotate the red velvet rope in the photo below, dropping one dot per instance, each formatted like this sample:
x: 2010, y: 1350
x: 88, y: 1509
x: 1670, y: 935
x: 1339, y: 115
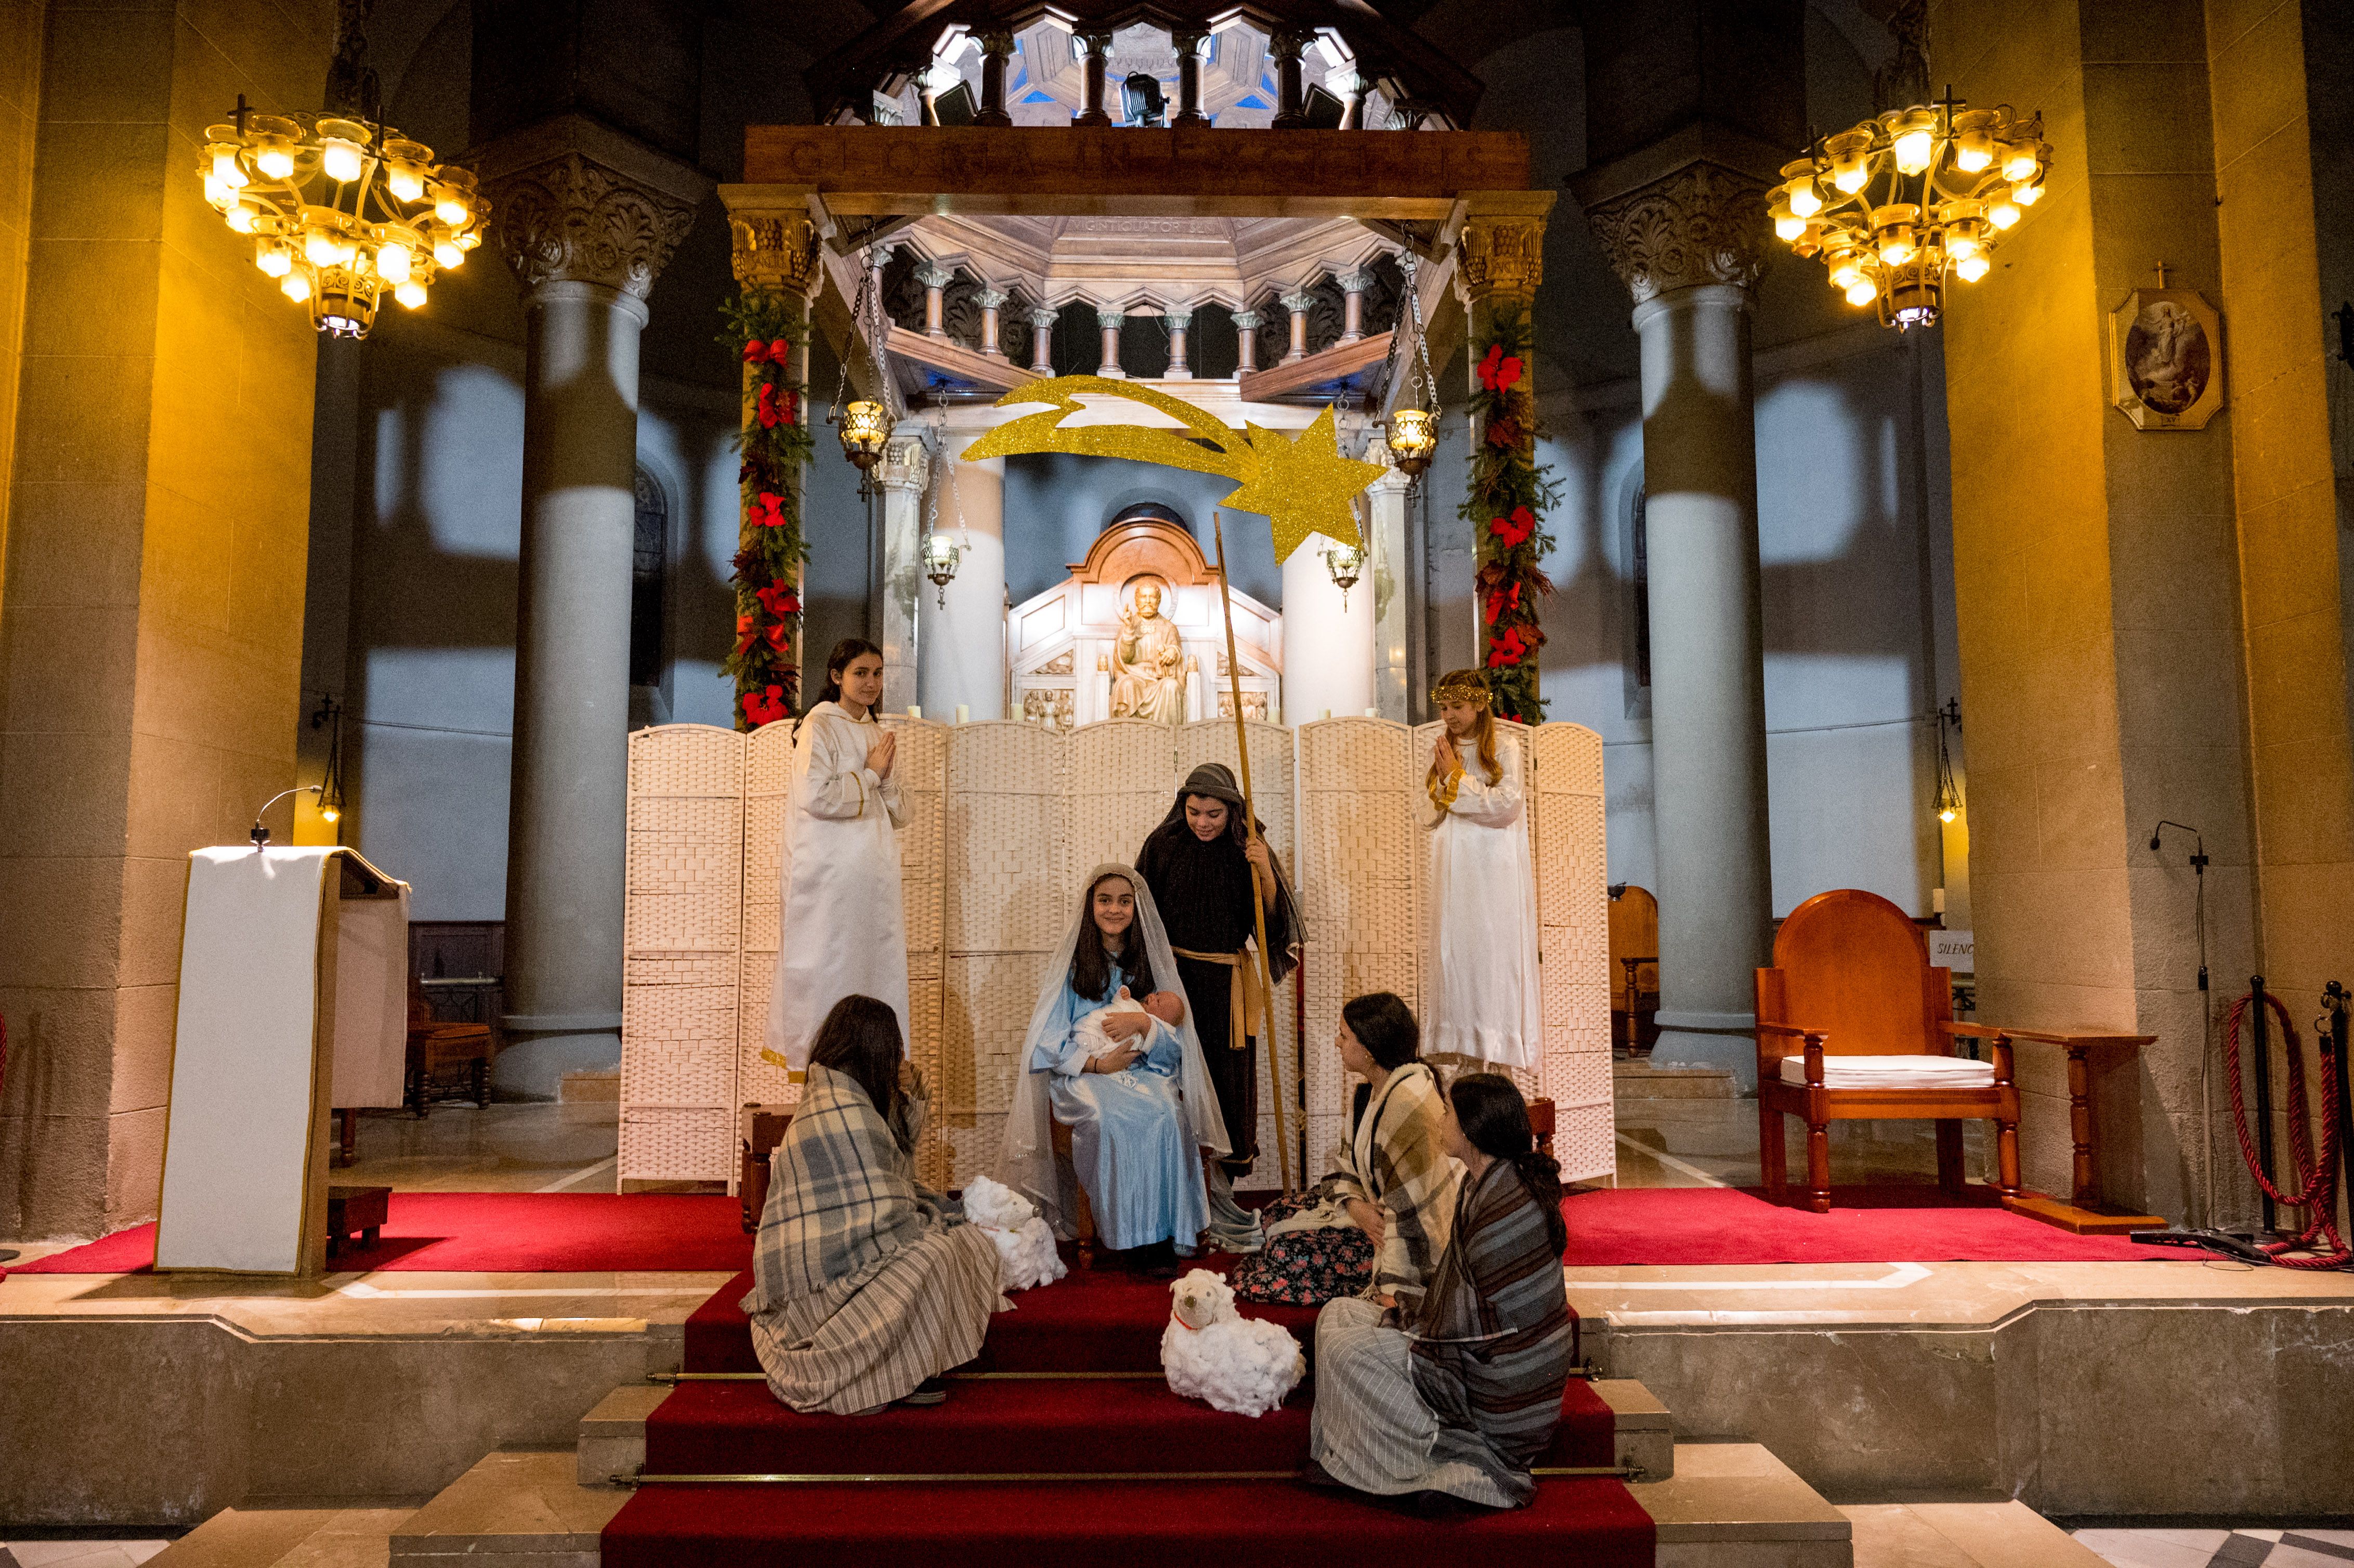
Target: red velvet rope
x: 2318, y: 1192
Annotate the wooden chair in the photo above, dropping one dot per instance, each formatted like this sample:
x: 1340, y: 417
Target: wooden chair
x: 434, y: 1045
x: 1083, y: 1215
x: 1634, y: 916
x: 1851, y: 976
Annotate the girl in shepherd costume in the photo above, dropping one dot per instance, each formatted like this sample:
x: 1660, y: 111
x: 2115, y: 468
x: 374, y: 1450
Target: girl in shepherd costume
x: 1205, y: 868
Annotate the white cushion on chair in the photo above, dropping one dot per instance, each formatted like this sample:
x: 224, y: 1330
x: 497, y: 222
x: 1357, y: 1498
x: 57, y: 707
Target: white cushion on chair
x: 1894, y: 1073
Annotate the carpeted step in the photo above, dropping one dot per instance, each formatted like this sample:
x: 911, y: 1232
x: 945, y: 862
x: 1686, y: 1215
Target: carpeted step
x: 1103, y: 1320
x: 1060, y: 1426
x: 1592, y: 1522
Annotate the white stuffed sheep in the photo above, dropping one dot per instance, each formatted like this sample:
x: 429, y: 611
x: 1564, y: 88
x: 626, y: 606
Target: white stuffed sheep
x: 1245, y: 1366
x: 1025, y: 1247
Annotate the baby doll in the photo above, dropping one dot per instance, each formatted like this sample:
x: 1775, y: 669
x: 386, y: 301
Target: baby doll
x: 1092, y: 1034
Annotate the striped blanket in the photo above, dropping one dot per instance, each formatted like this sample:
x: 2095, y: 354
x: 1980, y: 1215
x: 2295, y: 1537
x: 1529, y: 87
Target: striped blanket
x: 864, y: 1282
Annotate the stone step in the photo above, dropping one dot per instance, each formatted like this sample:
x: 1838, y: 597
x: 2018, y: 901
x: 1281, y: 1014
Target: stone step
x: 613, y: 1435
x: 592, y: 1098
x: 1640, y: 1080
x: 1728, y: 1505
x: 267, y: 1537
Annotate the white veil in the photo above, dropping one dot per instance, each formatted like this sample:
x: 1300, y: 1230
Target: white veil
x: 1030, y: 1163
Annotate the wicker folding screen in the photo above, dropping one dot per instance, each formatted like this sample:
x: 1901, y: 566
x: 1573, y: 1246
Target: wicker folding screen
x: 682, y: 935
x: 1573, y: 938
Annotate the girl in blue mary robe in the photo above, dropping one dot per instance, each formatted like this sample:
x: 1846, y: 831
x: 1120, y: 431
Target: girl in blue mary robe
x: 1132, y: 1086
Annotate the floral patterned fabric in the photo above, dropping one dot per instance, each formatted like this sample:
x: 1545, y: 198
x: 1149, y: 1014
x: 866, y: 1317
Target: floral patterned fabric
x: 1304, y: 1268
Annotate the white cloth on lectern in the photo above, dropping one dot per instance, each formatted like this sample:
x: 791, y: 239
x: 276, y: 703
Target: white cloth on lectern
x: 843, y: 931
x: 1487, y: 1003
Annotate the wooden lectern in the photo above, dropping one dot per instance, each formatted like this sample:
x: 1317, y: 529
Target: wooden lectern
x: 292, y: 970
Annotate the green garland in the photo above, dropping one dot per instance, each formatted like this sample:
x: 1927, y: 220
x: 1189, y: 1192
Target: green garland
x: 771, y: 547
x: 1508, y: 498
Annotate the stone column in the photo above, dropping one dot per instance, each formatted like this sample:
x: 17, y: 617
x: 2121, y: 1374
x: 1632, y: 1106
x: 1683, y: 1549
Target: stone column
x: 1042, y: 338
x: 963, y: 640
x: 1290, y: 95
x: 996, y: 48
x: 1327, y: 638
x: 1189, y: 47
x: 1108, y: 322
x: 1388, y: 578
x: 901, y: 476
x: 587, y: 218
x: 1246, y: 325
x: 1178, y: 322
x: 1099, y: 54
x: 1297, y: 302
x: 1689, y: 246
x: 1352, y: 308
x: 990, y: 300
x: 935, y: 280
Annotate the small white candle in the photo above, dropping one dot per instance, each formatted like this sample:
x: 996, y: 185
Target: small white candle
x: 1372, y: 712
x: 914, y: 712
x: 1936, y: 901
x: 964, y: 713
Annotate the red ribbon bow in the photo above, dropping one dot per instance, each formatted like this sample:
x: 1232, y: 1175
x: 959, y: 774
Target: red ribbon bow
x: 777, y: 351
x: 770, y: 511
x: 778, y: 405
x: 765, y: 708
x: 1510, y: 532
x: 1508, y: 649
x: 1500, y: 371
x: 1502, y: 600
x: 779, y: 599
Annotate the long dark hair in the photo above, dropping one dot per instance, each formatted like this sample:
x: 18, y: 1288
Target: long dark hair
x: 1495, y: 1120
x: 1091, y: 966
x: 861, y: 1038
x: 1385, y: 1026
x: 846, y: 649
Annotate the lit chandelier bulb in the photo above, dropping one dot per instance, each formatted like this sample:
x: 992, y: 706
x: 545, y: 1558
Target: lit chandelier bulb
x: 1852, y: 177
x: 411, y: 295
x: 321, y: 250
x: 1788, y: 225
x: 393, y: 262
x: 447, y: 254
x: 404, y: 183
x: 240, y: 218
x: 2003, y: 213
x: 1972, y: 267
x: 295, y: 287
x: 275, y: 162
x: 339, y: 161
x: 1895, y: 250
x: 2018, y: 164
x: 1804, y: 202
x: 217, y: 194
x: 451, y: 211
x: 2027, y: 195
x: 226, y: 170
x: 1972, y: 157
x: 1913, y: 152
x: 1846, y: 274
x: 273, y: 259
x: 1862, y: 293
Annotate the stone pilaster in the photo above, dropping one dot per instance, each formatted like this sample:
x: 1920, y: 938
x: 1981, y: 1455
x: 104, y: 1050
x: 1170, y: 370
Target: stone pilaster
x: 990, y: 302
x: 936, y: 280
x: 1108, y: 322
x: 1298, y: 303
x: 1179, y: 322
x: 1246, y: 325
x: 587, y: 218
x: 901, y: 476
x: 1352, y: 308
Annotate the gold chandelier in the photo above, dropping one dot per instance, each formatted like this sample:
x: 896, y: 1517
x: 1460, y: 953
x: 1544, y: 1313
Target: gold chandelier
x: 1894, y: 205
x: 340, y: 210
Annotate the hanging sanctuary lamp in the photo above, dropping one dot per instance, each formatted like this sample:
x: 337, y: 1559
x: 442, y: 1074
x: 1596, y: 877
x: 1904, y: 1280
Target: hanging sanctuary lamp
x: 864, y: 424
x: 1899, y: 202
x: 1414, y: 428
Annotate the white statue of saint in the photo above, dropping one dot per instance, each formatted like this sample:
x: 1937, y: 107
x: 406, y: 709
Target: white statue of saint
x: 1147, y: 663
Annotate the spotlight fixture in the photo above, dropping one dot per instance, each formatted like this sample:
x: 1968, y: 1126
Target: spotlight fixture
x: 1899, y: 202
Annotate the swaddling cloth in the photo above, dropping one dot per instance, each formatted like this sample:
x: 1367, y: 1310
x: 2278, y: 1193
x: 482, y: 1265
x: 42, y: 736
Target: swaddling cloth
x: 1094, y: 1038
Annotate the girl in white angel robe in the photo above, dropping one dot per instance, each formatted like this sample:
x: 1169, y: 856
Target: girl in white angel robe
x: 844, y: 933
x: 1487, y: 1003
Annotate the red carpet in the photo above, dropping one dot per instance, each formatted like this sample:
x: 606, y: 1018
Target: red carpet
x: 1107, y: 1319
x: 1866, y: 1224
x: 501, y: 1233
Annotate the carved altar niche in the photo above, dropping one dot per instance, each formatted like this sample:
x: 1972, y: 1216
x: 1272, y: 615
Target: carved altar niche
x: 1058, y: 644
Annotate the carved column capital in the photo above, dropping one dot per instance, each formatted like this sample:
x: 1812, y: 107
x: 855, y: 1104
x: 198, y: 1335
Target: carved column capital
x: 1702, y: 224
x: 1502, y: 255
x: 575, y: 202
x: 774, y: 240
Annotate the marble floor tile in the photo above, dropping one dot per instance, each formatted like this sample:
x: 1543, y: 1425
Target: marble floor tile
x: 2155, y: 1548
x: 498, y: 1147
x: 82, y: 1553
x: 2289, y: 1555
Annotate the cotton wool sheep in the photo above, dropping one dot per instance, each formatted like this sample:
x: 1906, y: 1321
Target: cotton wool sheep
x: 1025, y: 1247
x: 1245, y: 1366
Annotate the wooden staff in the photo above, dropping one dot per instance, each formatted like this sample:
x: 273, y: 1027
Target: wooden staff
x: 1250, y: 827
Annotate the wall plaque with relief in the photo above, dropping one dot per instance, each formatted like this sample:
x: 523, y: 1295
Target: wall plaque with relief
x: 2166, y: 359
